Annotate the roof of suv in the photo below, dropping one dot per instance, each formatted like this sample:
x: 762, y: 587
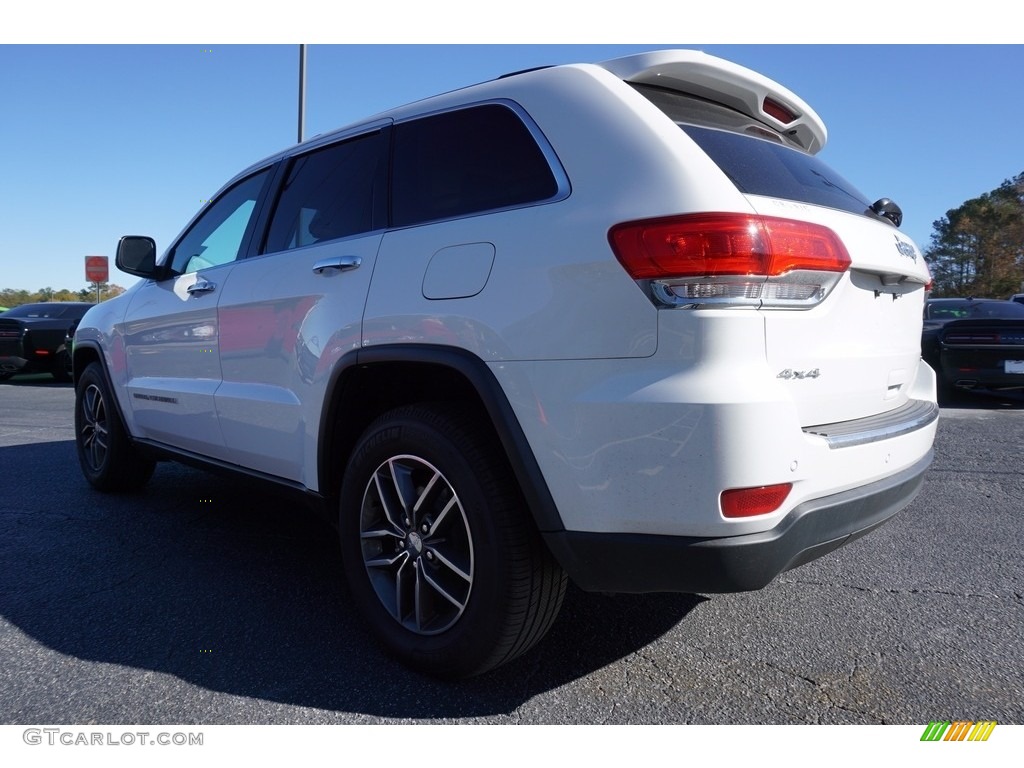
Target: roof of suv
x: 687, y: 71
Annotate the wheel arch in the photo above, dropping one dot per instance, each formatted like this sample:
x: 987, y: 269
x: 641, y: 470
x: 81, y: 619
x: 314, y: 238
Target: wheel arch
x: 85, y: 353
x: 372, y: 381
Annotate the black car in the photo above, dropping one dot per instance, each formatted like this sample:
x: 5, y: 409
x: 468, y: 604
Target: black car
x: 974, y: 343
x: 36, y: 338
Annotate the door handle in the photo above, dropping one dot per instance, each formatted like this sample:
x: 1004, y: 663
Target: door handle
x: 200, y: 286
x: 340, y: 263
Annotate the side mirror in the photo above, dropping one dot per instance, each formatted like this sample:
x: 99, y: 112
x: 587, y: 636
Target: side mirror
x: 136, y: 255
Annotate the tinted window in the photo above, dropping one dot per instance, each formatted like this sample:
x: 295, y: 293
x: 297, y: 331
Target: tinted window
x: 45, y: 310
x: 328, y: 194
x: 464, y: 162
x: 219, y: 234
x: 968, y: 309
x: 754, y: 156
x: 759, y: 167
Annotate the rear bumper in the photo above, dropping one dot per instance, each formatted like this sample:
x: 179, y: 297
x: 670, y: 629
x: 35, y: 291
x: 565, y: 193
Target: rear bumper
x: 981, y: 368
x: 611, y: 562
x: 12, y: 363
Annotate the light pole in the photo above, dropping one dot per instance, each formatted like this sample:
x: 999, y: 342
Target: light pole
x: 302, y: 90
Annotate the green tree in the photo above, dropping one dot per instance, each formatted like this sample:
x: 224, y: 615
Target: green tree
x: 978, y: 248
x: 12, y: 297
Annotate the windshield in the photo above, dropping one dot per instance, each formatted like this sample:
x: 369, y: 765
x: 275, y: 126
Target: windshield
x: 37, y: 310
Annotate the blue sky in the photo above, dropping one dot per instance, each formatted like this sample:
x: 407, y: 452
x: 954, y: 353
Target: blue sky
x: 104, y: 140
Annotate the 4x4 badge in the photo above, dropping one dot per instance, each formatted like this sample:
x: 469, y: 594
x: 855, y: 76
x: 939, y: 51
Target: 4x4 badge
x: 789, y: 373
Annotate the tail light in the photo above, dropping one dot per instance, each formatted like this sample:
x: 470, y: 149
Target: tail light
x: 732, y: 259
x: 972, y: 338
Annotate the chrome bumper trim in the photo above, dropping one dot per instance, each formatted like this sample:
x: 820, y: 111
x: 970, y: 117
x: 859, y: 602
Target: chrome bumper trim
x: 914, y: 415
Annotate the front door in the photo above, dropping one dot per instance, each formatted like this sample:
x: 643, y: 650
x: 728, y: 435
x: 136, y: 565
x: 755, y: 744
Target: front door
x: 171, y: 334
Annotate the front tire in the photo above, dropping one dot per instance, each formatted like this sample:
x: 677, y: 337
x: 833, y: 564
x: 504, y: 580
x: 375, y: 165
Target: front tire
x: 108, y: 459
x: 440, y: 553
x: 62, y: 370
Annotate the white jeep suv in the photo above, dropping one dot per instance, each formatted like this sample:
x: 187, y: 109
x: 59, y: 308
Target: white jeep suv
x: 608, y: 322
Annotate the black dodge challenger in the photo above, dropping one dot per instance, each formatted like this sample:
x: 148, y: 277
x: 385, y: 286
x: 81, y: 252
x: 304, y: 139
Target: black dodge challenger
x: 36, y: 338
x: 974, y: 343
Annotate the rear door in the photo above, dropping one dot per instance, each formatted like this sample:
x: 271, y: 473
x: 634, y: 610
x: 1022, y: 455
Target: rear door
x: 289, y: 312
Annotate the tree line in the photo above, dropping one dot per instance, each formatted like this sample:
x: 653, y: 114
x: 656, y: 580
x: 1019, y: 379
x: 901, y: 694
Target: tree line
x: 978, y: 249
x: 11, y: 297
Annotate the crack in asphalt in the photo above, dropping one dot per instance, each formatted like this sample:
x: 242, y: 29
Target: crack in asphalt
x: 876, y: 591
x: 791, y: 673
x: 973, y: 472
x: 18, y: 514
x: 822, y: 688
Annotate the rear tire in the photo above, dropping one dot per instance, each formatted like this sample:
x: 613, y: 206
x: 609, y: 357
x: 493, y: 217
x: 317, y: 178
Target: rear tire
x: 948, y: 394
x: 440, y: 552
x: 108, y: 459
x: 62, y: 367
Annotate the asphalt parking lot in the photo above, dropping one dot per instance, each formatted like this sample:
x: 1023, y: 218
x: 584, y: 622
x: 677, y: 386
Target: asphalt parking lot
x: 204, y: 601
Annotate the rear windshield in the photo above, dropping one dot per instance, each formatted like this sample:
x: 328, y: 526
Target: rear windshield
x: 38, y: 310
x: 754, y: 156
x: 759, y: 167
x: 952, y: 309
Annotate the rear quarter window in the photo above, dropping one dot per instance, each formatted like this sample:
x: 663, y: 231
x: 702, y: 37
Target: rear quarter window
x: 464, y: 162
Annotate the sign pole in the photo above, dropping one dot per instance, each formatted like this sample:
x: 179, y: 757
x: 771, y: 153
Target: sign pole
x: 97, y: 271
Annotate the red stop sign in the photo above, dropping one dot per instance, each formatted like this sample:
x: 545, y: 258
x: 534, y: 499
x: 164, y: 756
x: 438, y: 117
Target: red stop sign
x: 96, y: 269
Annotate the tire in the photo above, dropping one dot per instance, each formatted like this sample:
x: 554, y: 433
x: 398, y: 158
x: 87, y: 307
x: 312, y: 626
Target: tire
x: 62, y: 367
x: 440, y: 553
x: 948, y: 393
x: 108, y: 459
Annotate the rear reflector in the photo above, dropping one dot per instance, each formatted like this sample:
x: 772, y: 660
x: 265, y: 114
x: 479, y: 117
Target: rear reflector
x: 747, y: 502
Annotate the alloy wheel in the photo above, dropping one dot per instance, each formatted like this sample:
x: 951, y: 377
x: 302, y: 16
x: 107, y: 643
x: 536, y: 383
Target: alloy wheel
x: 93, y: 431
x: 416, y: 544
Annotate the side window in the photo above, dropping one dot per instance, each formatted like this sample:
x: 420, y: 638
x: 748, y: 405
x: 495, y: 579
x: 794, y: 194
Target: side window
x: 329, y: 193
x: 219, y: 234
x: 463, y: 162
